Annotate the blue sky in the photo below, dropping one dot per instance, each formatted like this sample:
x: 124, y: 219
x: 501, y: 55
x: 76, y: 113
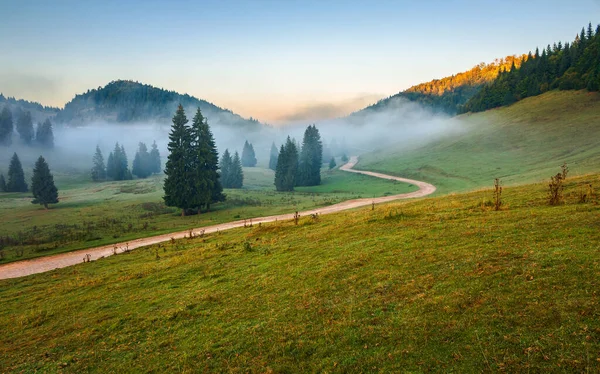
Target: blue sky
x: 272, y: 60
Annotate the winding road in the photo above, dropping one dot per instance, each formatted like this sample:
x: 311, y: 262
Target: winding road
x: 43, y: 264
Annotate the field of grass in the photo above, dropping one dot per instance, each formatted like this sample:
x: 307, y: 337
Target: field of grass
x: 93, y: 214
x: 523, y: 143
x: 441, y: 284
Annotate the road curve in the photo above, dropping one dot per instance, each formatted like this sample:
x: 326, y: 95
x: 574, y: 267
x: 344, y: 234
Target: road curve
x: 43, y: 264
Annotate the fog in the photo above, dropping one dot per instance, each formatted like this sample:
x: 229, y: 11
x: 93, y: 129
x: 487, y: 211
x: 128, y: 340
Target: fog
x: 401, y: 124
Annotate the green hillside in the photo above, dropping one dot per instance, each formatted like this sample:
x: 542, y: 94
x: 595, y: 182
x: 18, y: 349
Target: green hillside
x: 521, y: 143
x: 441, y: 284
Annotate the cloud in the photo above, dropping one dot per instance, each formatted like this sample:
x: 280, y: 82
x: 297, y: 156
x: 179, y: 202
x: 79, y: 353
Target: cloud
x: 328, y: 110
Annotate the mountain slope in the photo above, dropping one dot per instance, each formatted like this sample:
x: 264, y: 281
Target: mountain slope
x: 38, y: 111
x: 127, y: 101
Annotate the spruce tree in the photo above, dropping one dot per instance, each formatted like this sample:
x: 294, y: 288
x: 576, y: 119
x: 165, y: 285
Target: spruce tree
x: 273, y: 157
x: 44, y: 134
x: 311, y: 158
x: 16, y: 177
x: 155, y: 159
x: 142, y: 164
x: 226, y: 169
x: 248, y: 155
x: 287, y: 166
x: 344, y: 158
x: 178, y: 192
x: 237, y: 174
x: 332, y: 163
x: 110, y: 166
x: 6, y: 126
x: 2, y: 183
x: 42, y: 184
x: 98, y: 170
x: 124, y: 165
x: 25, y: 127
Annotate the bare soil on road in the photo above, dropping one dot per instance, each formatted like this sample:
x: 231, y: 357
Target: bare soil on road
x: 43, y: 264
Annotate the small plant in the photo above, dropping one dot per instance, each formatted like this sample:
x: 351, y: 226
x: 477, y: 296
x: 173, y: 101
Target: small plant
x: 248, y: 247
x: 564, y: 170
x: 556, y: 187
x: 114, y: 250
x: 372, y: 205
x: 315, y: 217
x: 586, y: 194
x: 296, y: 217
x: 497, y: 194
x: 156, y: 251
x: 87, y: 257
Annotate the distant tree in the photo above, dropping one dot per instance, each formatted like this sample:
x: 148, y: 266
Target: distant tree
x: 44, y: 134
x: 110, y: 166
x: 117, y: 164
x: 248, y: 155
x: 16, y: 177
x: 226, y: 167
x: 98, y: 170
x: 2, y: 183
x: 332, y: 163
x: 344, y: 158
x: 176, y: 186
x: 42, y: 184
x: 6, y: 126
x: 287, y: 166
x: 273, y: 157
x: 142, y: 163
x: 155, y: 159
x: 25, y: 127
x: 124, y: 165
x: 311, y: 158
x: 237, y: 174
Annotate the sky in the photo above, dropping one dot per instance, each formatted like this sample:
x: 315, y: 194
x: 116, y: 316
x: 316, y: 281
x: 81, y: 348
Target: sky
x: 277, y: 61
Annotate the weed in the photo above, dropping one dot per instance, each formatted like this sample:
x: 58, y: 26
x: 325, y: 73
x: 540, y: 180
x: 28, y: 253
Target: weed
x: 497, y: 194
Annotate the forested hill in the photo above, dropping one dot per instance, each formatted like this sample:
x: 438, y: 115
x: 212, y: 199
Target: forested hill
x: 571, y: 66
x: 38, y: 112
x: 127, y: 101
x: 449, y: 94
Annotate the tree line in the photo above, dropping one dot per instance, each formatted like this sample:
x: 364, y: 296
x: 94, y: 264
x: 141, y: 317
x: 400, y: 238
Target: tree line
x: 42, y: 135
x: 117, y: 166
x: 42, y: 182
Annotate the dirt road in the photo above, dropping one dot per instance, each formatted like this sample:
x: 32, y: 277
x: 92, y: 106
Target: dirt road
x: 42, y: 264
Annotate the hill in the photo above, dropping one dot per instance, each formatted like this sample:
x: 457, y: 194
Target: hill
x: 521, y: 143
x: 38, y: 111
x: 127, y: 101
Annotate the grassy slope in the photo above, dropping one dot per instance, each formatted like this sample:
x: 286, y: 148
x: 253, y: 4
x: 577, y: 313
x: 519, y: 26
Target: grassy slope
x: 525, y: 142
x: 440, y: 284
x: 96, y: 214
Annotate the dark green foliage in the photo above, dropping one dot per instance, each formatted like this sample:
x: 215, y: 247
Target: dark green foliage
x: 273, y: 157
x: 16, y: 177
x: 99, y: 169
x: 225, y: 168
x: 232, y: 175
x: 25, y: 127
x: 6, y: 126
x: 178, y: 171
x: 344, y: 158
x: 155, y: 159
x: 573, y: 66
x: 332, y: 163
x: 44, y: 134
x: 287, y: 166
x: 42, y: 184
x: 2, y: 183
x: 142, y: 163
x: 248, y: 156
x: 110, y: 166
x: 117, y: 165
x: 311, y: 158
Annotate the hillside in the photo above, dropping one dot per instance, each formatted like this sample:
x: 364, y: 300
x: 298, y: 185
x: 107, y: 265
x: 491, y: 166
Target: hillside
x: 442, y: 284
x: 524, y: 142
x: 38, y: 111
x: 127, y: 101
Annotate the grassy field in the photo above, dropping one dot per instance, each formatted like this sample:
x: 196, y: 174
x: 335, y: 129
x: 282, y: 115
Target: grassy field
x: 91, y: 214
x: 442, y: 284
x: 522, y: 143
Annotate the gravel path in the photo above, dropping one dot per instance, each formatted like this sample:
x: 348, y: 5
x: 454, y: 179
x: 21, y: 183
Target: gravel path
x: 43, y: 264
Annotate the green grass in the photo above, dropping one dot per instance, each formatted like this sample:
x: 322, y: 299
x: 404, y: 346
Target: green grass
x: 91, y: 214
x: 523, y: 143
x: 442, y: 284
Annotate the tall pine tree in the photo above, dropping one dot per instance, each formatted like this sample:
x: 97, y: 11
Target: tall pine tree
x: 273, y: 157
x: 237, y: 174
x: 110, y: 166
x: 311, y: 158
x: 98, y: 170
x: 25, y: 127
x: 226, y: 167
x: 2, y: 183
x: 142, y: 164
x: 6, y: 126
x: 287, y: 166
x: 16, y: 177
x: 42, y: 184
x: 248, y: 155
x: 44, y: 134
x: 155, y: 159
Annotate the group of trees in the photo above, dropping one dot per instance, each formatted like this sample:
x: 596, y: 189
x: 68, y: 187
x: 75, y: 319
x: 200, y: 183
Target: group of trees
x: 144, y: 164
x: 572, y: 66
x: 43, y: 135
x: 248, y: 155
x: 232, y: 175
x: 42, y: 182
x: 192, y: 181
x: 300, y: 168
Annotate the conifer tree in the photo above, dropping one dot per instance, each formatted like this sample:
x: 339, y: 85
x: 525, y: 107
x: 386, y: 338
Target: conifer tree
x: 16, y: 177
x: 287, y: 166
x: 344, y: 158
x: 155, y: 159
x: 25, y: 127
x: 226, y: 169
x: 42, y: 184
x: 98, y: 170
x: 332, y: 163
x: 110, y: 166
x: 248, y: 155
x: 273, y: 157
x: 178, y: 192
x: 44, y: 134
x: 124, y: 165
x: 142, y: 164
x: 6, y: 126
x: 237, y: 174
x: 2, y: 183
x: 311, y: 158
